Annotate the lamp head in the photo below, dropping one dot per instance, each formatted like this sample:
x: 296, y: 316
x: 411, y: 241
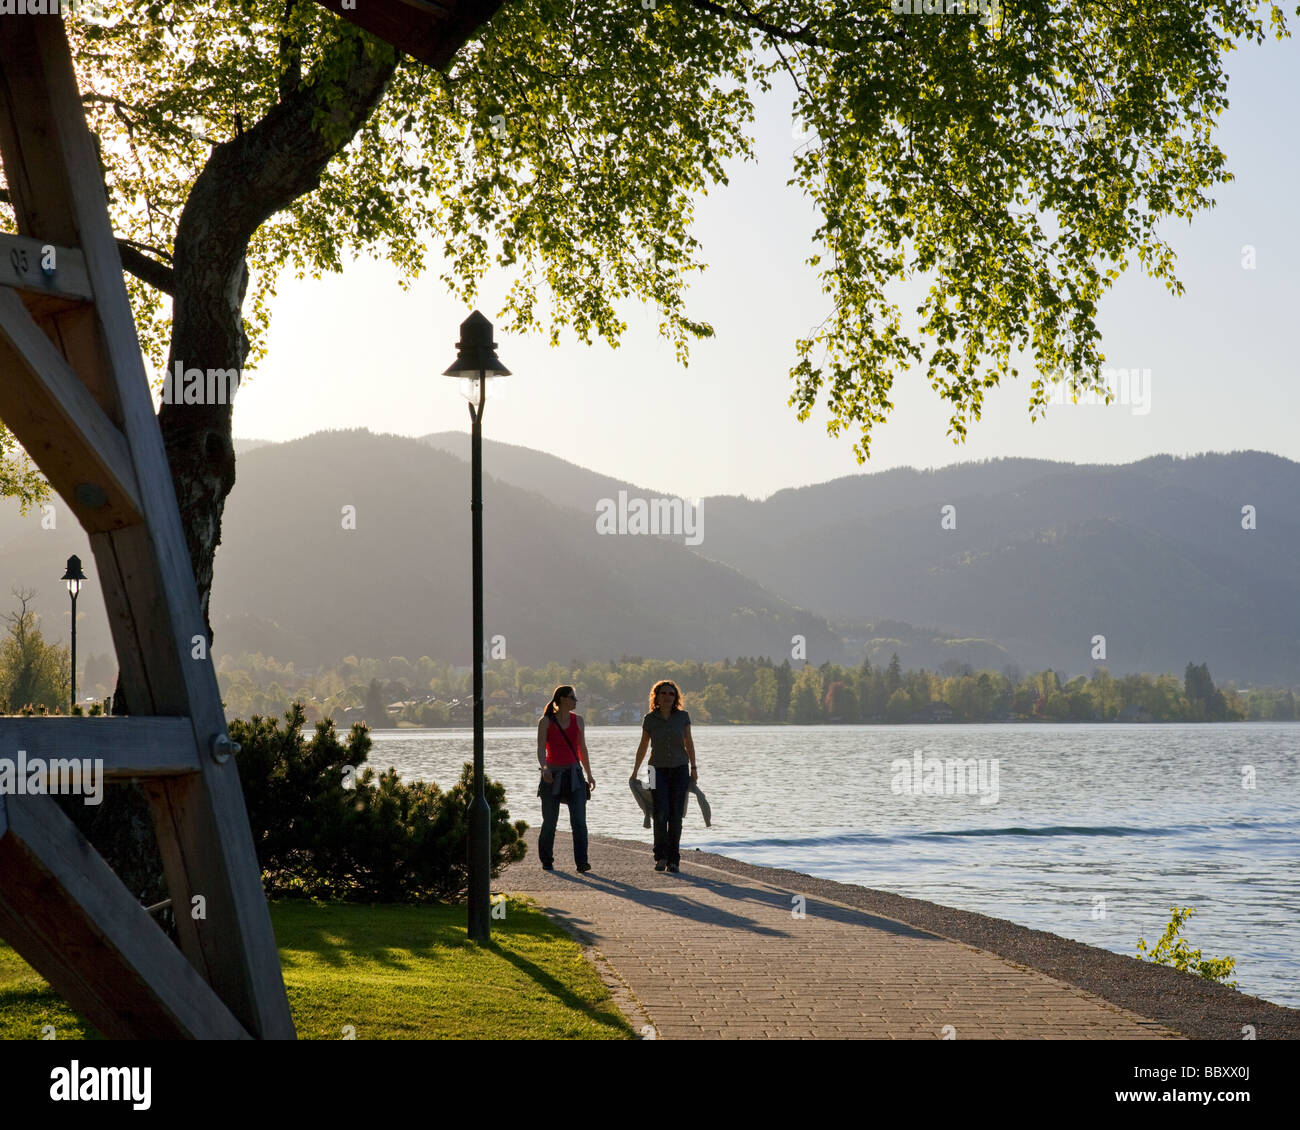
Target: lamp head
x: 476, y: 354
x: 73, y: 575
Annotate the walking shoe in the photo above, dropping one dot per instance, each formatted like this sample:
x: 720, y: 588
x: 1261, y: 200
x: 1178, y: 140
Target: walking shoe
x: 548, y: 866
x: 660, y: 865
x: 584, y: 866
x: 672, y: 867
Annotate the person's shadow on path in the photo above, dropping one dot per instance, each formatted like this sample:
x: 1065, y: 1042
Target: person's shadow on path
x: 683, y: 906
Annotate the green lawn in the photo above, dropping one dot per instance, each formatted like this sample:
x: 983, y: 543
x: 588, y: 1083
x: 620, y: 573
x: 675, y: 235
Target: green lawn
x: 392, y: 973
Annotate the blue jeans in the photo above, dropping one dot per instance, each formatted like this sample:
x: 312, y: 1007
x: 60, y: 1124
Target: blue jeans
x: 670, y: 794
x: 576, y: 799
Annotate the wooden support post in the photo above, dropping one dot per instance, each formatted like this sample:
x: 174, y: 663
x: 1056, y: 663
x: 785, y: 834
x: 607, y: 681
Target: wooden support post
x: 158, y: 630
x: 68, y: 915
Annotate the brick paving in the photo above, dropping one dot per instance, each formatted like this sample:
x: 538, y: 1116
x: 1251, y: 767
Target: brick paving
x: 708, y: 954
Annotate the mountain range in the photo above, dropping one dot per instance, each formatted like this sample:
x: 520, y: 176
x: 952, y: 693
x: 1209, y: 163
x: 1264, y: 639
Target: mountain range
x: 1011, y: 561
x: 1170, y: 559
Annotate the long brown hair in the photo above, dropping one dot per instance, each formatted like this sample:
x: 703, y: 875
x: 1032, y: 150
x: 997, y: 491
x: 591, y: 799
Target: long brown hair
x: 677, y: 702
x: 553, y: 707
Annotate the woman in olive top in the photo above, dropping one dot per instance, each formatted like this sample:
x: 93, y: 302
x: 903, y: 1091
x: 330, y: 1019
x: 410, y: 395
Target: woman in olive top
x: 562, y: 757
x: 667, y: 731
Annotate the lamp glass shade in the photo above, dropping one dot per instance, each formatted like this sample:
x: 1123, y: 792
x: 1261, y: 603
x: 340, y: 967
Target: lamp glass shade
x: 73, y: 575
x: 493, y: 389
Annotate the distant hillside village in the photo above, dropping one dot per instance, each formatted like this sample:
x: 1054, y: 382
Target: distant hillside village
x: 399, y: 692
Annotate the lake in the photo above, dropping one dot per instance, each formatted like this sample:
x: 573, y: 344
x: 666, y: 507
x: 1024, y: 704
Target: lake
x: 1089, y: 831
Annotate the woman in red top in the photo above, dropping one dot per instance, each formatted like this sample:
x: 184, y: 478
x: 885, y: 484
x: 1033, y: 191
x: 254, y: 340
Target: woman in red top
x: 562, y: 757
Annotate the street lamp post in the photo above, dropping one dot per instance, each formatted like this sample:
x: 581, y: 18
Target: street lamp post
x: 73, y: 576
x: 477, y: 360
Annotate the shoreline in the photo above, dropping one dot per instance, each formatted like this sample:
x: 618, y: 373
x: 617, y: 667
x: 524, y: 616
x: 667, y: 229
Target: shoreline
x: 875, y: 724
x: 1199, y: 1009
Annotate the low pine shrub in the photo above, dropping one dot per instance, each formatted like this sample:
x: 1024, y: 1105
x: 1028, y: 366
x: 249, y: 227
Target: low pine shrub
x: 325, y: 825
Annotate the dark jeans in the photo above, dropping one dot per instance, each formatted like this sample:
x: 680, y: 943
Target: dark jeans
x: 670, y: 793
x: 576, y: 798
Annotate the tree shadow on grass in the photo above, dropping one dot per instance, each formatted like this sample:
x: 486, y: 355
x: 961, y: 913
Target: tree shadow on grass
x: 337, y: 949
x: 345, y: 934
x: 377, y: 937
x: 566, y: 996
x: 26, y: 1010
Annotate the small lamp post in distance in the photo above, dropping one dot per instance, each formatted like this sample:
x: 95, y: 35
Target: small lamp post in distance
x: 73, y: 576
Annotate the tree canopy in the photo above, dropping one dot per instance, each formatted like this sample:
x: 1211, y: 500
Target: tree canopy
x: 1016, y: 158
x: 32, y: 672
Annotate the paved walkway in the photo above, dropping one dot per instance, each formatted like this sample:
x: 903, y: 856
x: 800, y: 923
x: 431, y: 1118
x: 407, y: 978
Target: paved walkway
x: 708, y: 953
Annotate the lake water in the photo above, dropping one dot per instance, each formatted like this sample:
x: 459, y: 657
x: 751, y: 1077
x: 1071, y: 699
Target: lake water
x: 1089, y: 831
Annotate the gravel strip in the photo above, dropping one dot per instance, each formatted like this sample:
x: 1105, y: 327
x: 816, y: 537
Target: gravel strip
x: 1199, y: 1009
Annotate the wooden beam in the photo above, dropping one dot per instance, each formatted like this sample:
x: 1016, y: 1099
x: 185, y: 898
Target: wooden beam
x: 123, y: 747
x: 50, y: 206
x: 45, y: 268
x: 136, y: 608
x: 43, y: 195
x: 61, y: 426
x: 138, y: 619
x: 58, y: 195
x: 203, y: 814
x: 39, y: 187
x: 72, y: 920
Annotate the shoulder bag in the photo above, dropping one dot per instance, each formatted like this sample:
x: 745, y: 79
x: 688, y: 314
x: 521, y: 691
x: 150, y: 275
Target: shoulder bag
x: 565, y: 736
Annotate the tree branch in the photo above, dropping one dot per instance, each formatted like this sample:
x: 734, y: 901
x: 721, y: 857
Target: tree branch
x: 792, y: 35
x: 290, y: 56
x: 146, y: 269
x: 265, y: 169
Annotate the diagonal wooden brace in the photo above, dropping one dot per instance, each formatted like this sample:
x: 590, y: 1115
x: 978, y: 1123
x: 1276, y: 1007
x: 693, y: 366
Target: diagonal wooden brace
x: 66, y: 912
x: 56, y: 188
x: 44, y: 403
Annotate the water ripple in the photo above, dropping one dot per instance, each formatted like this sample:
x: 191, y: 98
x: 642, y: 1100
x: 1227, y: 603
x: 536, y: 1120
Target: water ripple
x: 1094, y: 833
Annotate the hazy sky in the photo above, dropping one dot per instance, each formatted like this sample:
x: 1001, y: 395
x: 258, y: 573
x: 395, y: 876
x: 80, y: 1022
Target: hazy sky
x: 355, y: 350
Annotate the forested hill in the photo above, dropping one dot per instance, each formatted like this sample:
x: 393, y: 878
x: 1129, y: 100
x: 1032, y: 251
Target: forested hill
x: 294, y: 582
x: 292, y: 579
x: 1036, y: 559
x: 1040, y: 556
x: 1043, y: 557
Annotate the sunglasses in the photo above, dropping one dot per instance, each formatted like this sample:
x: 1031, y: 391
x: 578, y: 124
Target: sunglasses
x: 670, y: 694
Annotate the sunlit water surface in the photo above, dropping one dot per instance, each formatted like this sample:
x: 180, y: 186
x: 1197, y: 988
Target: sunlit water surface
x: 1095, y: 833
